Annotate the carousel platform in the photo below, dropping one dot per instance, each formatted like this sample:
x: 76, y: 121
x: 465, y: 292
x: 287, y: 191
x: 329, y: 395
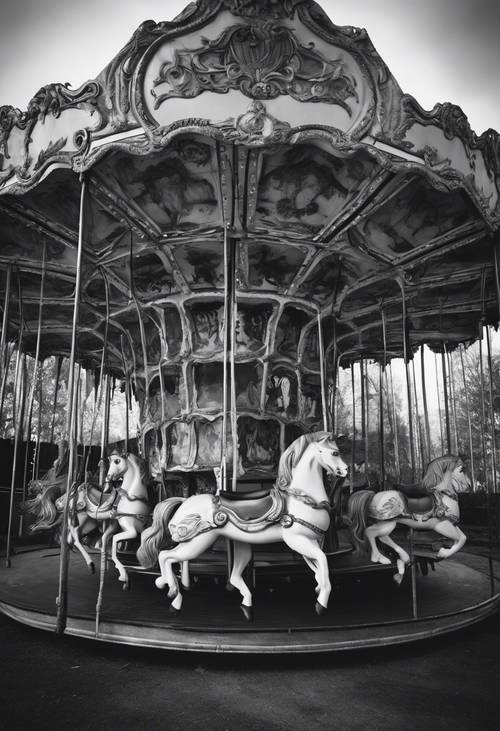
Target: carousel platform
x: 367, y: 608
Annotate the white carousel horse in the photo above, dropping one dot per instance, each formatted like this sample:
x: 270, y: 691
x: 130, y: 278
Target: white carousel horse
x: 373, y: 516
x: 295, y: 510
x: 125, y: 506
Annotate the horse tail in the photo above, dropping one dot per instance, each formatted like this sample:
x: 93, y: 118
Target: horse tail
x: 356, y: 515
x: 154, y: 538
x: 43, y: 510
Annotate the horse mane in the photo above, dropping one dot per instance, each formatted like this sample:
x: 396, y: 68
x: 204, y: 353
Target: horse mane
x: 293, y: 454
x: 437, y: 469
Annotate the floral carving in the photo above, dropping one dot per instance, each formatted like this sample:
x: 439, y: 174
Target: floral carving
x: 262, y: 61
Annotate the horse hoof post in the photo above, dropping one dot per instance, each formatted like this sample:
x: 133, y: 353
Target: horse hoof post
x: 126, y: 586
x: 398, y: 578
x: 173, y: 611
x: 247, y: 612
x: 320, y: 609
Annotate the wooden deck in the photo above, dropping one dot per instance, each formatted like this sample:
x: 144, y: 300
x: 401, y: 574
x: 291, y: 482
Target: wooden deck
x: 366, y: 607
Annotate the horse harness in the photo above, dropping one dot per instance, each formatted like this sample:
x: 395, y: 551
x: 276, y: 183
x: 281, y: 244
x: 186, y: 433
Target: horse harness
x: 251, y: 512
x: 95, y: 506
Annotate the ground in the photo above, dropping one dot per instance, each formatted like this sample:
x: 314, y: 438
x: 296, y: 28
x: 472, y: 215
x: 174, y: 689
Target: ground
x: 50, y: 682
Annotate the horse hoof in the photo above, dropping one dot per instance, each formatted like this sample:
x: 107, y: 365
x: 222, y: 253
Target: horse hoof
x: 159, y: 583
x: 173, y: 611
x: 185, y: 588
x: 247, y: 612
x: 398, y: 578
x: 229, y: 586
x: 92, y: 567
x: 126, y: 586
x: 320, y: 609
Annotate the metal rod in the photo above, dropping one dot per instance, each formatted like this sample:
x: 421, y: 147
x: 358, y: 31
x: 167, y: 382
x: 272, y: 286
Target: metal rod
x: 5, y: 319
x: 395, y: 422
x: 234, y: 416
x: 446, y: 402
x: 469, y: 422
x: 440, y: 413
x: 492, y: 412
x: 451, y: 379
x: 62, y: 597
x: 381, y: 425
x: 483, y: 407
x: 408, y: 384
x: 223, y: 462
x: 417, y: 418
x: 424, y: 403
x: 18, y: 428
x: 321, y: 349
x: 353, y: 445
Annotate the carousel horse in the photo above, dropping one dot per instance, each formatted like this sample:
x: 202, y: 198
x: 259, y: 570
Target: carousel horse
x: 295, y: 511
x: 374, y: 515
x: 126, y: 507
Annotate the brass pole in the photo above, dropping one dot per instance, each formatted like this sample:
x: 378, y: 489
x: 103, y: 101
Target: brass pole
x: 62, y: 597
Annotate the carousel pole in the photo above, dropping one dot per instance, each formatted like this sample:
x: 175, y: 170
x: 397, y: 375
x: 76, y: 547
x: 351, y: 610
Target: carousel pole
x: 492, y: 412
x: 397, y: 462
x: 17, y: 417
x: 34, y: 380
x: 408, y: 382
x: 417, y: 418
x: 234, y: 418
x: 451, y: 380
x: 446, y: 402
x: 322, y: 372
x: 382, y: 371
x: 62, y: 597
x: 225, y: 338
x: 353, y: 445
x: 483, y: 407
x: 57, y: 376
x: 440, y: 413
x: 469, y: 423
x: 424, y: 403
x: 5, y: 319
x: 363, y: 411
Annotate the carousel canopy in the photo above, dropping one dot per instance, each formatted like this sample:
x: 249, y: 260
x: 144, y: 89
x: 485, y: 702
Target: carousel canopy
x: 264, y: 125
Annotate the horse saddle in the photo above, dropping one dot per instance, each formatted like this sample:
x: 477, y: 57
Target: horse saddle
x: 250, y: 511
x: 418, y: 500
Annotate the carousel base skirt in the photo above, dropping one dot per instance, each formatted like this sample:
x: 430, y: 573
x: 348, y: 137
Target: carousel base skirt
x: 367, y: 608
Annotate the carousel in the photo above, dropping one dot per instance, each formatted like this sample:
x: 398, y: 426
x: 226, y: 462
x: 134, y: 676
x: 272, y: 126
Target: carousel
x: 212, y: 256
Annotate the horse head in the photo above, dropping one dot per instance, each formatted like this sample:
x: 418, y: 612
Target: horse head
x: 329, y: 457
x: 118, y: 466
x: 446, y: 474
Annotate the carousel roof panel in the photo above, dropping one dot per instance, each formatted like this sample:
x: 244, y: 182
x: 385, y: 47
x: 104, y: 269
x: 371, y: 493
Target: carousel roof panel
x: 263, y: 127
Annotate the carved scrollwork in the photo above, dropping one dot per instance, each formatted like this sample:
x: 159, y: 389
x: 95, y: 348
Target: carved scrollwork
x: 257, y: 8
x: 263, y: 61
x: 454, y: 123
x: 255, y: 127
x: 54, y: 98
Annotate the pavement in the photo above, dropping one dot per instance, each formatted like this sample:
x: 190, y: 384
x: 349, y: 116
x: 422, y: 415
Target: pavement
x: 58, y: 683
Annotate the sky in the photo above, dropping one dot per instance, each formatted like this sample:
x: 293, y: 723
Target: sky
x: 438, y: 50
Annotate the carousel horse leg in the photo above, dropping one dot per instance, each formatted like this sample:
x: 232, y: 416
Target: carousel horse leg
x: 185, y: 578
x: 74, y: 534
x: 314, y: 568
x: 402, y: 560
x: 182, y: 552
x: 126, y: 534
x: 242, y: 556
x: 309, y: 548
x: 377, y: 530
x: 448, y: 530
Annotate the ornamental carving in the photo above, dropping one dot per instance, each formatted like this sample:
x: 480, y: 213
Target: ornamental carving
x: 263, y: 62
x: 256, y: 8
x: 255, y: 127
x: 454, y: 123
